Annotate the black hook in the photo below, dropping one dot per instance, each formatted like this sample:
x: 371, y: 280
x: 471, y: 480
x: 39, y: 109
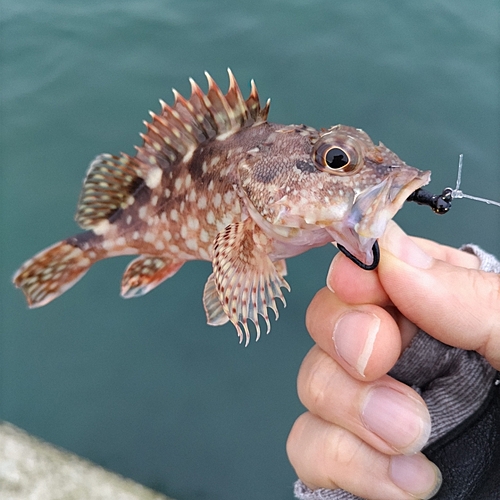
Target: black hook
x: 440, y: 203
x: 362, y: 265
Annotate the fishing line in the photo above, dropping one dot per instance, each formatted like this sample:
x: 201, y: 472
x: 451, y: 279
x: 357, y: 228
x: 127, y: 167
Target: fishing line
x: 457, y: 193
x: 441, y: 203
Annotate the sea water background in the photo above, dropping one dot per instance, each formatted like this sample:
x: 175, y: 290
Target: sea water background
x: 144, y: 387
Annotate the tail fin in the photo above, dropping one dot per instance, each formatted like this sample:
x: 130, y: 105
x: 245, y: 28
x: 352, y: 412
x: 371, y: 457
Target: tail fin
x: 51, y: 272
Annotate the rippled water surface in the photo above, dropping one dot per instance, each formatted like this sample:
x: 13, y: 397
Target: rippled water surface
x: 144, y: 387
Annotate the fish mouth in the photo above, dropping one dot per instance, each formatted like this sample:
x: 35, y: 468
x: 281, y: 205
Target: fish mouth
x: 372, y: 209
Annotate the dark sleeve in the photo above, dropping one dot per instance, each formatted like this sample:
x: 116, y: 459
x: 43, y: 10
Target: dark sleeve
x: 462, y: 393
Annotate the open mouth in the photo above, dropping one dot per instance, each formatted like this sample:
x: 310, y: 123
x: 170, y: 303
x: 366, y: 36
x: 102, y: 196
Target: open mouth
x: 372, y: 209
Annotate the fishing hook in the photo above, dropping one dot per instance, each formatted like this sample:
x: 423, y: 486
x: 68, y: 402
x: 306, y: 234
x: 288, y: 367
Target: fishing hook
x: 362, y: 265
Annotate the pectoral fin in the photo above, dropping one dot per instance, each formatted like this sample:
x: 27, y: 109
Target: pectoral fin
x: 246, y: 280
x: 212, y: 304
x: 147, y: 272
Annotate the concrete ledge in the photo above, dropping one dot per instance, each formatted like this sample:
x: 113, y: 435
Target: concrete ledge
x: 31, y: 469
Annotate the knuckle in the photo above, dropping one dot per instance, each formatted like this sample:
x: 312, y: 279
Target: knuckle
x: 316, y: 381
x: 343, y: 450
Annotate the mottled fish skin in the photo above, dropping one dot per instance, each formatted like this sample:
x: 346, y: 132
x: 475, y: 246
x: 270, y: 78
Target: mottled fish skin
x: 213, y: 180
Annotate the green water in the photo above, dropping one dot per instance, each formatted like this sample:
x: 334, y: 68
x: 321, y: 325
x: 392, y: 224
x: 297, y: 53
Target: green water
x: 144, y: 387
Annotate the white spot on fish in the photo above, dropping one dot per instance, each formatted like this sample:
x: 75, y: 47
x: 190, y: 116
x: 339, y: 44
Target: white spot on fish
x: 210, y: 217
x: 178, y: 183
x: 210, y: 185
x: 167, y: 235
x: 228, y: 197
x: 192, y: 244
x: 229, y: 133
x: 237, y: 206
x: 154, y: 200
x: 143, y: 212
x: 204, y: 254
x: 187, y: 156
x: 108, y: 244
x: 184, y: 231
x: 217, y: 200
x: 159, y: 245
x: 149, y: 237
x: 227, y: 219
x: 167, y: 193
x: 154, y: 177
x: 174, y: 215
x: 202, y: 202
x: 102, y: 227
x: 128, y: 219
x: 187, y: 180
x: 121, y: 241
x: 193, y: 223
x: 204, y: 236
x: 173, y: 248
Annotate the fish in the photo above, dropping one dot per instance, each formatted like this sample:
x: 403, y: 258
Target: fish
x: 214, y: 180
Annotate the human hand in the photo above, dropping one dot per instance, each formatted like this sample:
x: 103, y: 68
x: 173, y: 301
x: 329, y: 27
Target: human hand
x: 363, y: 428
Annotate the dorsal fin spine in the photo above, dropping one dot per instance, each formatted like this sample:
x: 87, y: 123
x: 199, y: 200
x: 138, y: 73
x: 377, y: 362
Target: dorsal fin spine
x: 173, y: 134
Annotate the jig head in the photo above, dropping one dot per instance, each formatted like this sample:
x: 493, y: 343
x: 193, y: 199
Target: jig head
x: 440, y: 203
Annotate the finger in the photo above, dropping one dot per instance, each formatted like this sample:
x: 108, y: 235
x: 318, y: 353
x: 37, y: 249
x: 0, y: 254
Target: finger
x: 364, y: 338
x: 459, y: 306
x: 327, y: 456
x: 354, y: 285
x: 387, y: 414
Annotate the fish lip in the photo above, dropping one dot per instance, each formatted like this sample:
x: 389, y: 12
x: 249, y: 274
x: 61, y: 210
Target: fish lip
x: 373, y: 208
x: 420, y: 180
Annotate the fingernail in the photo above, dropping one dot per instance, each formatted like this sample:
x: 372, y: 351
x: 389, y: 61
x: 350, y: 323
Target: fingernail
x: 330, y: 272
x: 400, y: 245
x: 415, y: 475
x: 354, y: 335
x: 400, y: 420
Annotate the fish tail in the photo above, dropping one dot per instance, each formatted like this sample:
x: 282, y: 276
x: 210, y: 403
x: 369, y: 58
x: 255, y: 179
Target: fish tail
x: 54, y: 270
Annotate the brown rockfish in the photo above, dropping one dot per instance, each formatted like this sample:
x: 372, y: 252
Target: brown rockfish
x: 214, y: 180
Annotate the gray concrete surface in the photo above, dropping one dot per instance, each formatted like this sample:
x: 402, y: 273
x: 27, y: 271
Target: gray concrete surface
x: 31, y: 469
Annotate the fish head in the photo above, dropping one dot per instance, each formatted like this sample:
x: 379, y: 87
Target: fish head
x: 337, y: 180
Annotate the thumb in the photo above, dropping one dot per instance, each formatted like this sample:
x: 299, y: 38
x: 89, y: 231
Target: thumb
x: 457, y: 305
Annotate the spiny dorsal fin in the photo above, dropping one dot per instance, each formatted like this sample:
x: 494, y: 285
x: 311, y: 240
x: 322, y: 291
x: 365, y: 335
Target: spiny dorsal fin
x: 109, y: 186
x: 171, y: 136
x: 179, y: 129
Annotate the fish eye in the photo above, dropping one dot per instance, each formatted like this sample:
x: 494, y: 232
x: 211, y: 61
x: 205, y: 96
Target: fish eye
x: 335, y: 159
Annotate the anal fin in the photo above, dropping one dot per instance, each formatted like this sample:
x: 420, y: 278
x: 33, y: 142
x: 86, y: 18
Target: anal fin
x: 246, y: 280
x: 147, y: 272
